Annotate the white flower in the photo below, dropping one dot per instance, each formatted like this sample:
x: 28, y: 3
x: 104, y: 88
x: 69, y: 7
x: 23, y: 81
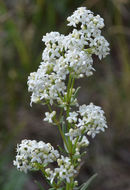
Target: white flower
x: 81, y: 15
x: 80, y: 62
x: 31, y: 153
x: 85, y: 17
x: 93, y: 119
x: 51, y: 38
x: 64, y: 172
x: 90, y: 121
x: 49, y: 116
x: 83, y: 142
x: 74, y: 133
x: 72, y: 117
x: 68, y: 55
x: 100, y: 46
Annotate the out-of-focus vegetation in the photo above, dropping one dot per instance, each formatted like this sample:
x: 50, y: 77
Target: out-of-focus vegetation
x: 22, y: 25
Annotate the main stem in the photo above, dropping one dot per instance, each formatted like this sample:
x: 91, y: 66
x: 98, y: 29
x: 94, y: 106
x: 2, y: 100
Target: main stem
x: 69, y: 146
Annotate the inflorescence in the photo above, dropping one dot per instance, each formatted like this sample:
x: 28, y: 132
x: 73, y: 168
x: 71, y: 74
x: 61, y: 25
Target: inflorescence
x: 64, y: 59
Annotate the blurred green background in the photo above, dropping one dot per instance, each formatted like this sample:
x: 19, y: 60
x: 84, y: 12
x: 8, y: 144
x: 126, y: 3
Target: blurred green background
x: 22, y: 25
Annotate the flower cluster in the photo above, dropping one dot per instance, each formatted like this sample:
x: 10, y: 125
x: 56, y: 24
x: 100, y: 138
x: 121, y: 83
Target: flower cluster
x: 88, y: 119
x: 90, y: 31
x: 86, y: 17
x: 32, y: 154
x: 64, y: 172
x: 68, y: 55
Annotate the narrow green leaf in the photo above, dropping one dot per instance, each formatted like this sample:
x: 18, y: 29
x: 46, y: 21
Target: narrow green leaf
x: 61, y: 119
x: 76, y: 92
x: 77, y: 156
x: 61, y: 106
x: 63, y: 127
x: 86, y: 185
x: 61, y: 149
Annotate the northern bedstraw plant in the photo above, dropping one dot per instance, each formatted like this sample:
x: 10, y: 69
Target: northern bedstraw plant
x: 65, y: 59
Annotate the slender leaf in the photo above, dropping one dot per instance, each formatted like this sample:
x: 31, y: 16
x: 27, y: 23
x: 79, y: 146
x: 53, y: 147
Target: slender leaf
x: 76, y: 92
x: 87, y: 184
x: 61, y: 149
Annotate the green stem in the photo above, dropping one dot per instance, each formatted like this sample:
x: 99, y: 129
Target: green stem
x: 45, y: 175
x: 68, y: 87
x: 63, y: 137
x: 68, y: 101
x: 59, y: 127
x: 67, y: 186
x: 69, y: 94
